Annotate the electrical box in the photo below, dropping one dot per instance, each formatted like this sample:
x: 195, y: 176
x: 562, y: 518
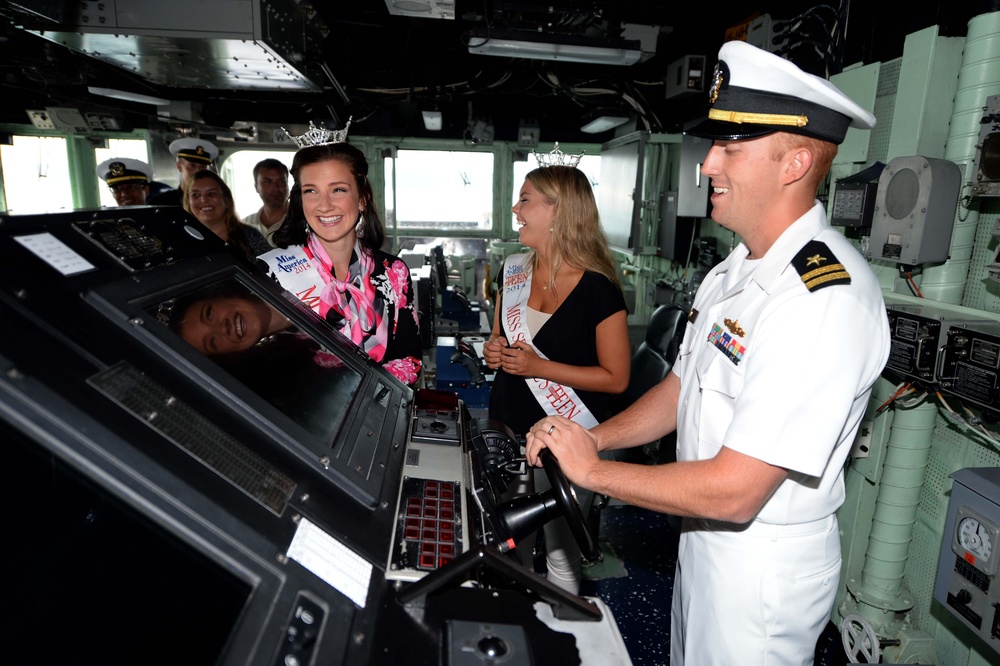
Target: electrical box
x: 915, y: 210
x: 692, y: 186
x: 916, y: 335
x: 854, y: 199
x: 685, y: 77
x: 986, y: 168
x: 970, y: 363
x: 764, y: 33
x: 966, y: 584
x: 675, y: 233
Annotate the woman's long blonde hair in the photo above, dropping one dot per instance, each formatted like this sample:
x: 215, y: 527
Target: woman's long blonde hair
x: 577, y: 237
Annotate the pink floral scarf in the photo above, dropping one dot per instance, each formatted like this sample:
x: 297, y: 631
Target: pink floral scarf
x: 353, y: 299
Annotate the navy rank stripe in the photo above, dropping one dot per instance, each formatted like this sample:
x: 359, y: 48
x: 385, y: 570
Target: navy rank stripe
x: 818, y: 267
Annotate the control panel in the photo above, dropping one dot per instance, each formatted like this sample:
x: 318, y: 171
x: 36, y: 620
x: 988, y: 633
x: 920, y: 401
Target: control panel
x: 970, y: 363
x: 966, y: 582
x: 915, y: 335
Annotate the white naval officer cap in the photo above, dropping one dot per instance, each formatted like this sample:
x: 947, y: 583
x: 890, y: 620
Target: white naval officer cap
x: 755, y: 93
x: 124, y: 170
x: 194, y: 150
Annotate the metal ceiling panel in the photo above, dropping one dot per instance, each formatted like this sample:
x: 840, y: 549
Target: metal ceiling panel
x: 250, y: 44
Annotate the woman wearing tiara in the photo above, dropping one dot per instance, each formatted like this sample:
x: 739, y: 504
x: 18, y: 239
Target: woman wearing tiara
x: 560, y: 334
x: 329, y: 254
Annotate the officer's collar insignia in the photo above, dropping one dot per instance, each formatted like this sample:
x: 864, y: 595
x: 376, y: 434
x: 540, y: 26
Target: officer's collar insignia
x: 734, y: 327
x: 818, y: 268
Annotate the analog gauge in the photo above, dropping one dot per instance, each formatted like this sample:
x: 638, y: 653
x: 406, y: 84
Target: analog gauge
x: 974, y: 537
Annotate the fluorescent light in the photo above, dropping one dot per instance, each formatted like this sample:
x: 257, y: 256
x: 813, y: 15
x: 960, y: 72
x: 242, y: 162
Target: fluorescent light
x: 128, y: 96
x: 514, y: 48
x: 432, y: 120
x: 604, y: 123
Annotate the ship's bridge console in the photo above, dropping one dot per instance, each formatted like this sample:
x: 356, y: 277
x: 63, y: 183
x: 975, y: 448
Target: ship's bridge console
x: 201, y: 470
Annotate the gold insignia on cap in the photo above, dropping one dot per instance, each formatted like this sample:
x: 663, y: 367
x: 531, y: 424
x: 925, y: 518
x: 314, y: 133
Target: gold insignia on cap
x: 199, y: 150
x: 815, y: 260
x: 116, y: 168
x: 734, y: 327
x: 713, y: 94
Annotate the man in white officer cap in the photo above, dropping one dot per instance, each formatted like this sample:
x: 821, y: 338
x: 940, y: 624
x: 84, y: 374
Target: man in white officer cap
x: 784, y: 342
x: 127, y: 178
x: 192, y: 155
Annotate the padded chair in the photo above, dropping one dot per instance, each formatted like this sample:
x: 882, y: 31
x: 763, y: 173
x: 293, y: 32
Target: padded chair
x: 651, y: 361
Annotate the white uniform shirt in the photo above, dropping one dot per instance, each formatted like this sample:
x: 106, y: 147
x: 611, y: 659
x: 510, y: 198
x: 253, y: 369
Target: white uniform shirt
x: 783, y: 374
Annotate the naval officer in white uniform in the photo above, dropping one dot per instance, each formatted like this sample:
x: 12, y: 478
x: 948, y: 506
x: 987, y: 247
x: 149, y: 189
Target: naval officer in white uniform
x: 784, y: 342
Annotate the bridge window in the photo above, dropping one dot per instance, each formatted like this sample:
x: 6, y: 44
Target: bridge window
x: 135, y: 149
x: 36, y: 175
x: 589, y: 164
x: 445, y: 190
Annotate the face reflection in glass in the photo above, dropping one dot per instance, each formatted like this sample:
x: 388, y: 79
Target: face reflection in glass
x: 226, y: 324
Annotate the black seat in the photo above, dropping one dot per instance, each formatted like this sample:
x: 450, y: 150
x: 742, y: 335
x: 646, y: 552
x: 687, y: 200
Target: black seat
x: 651, y: 361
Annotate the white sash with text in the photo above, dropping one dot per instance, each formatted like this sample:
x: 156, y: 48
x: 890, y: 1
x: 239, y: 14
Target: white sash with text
x: 554, y: 398
x: 297, y: 273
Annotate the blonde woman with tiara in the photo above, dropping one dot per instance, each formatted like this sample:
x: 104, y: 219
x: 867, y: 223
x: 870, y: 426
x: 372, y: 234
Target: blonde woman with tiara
x: 560, y: 340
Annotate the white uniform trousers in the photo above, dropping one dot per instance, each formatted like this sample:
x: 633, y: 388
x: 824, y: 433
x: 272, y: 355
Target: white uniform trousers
x: 760, y: 596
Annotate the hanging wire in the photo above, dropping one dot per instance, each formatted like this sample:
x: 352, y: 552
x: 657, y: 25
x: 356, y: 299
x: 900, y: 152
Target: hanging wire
x: 901, y: 389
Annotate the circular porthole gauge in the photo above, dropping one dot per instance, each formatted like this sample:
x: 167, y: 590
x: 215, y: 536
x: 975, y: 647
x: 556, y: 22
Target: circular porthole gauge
x: 976, y: 540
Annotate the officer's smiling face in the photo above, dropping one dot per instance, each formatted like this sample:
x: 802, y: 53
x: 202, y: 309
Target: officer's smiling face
x: 745, y: 181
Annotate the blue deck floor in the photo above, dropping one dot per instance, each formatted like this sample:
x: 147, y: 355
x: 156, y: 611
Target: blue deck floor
x: 636, y: 582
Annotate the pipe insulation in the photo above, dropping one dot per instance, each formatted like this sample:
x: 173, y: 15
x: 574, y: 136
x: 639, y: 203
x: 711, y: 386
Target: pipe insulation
x: 978, y: 78
x: 907, y: 452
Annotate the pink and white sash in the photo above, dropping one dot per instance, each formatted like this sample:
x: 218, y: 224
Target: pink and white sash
x: 554, y: 398
x: 295, y: 269
x: 308, y: 275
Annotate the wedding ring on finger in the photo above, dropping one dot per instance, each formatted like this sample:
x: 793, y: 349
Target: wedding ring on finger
x: 551, y: 428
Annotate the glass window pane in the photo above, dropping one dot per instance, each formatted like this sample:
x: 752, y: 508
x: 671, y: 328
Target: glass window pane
x: 388, y: 164
x: 36, y: 175
x: 442, y: 189
x: 237, y: 171
x: 589, y: 164
x: 133, y: 148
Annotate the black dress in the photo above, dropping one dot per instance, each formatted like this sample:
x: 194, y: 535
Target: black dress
x: 569, y: 336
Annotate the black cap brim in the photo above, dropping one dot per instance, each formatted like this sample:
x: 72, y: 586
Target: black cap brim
x: 723, y: 131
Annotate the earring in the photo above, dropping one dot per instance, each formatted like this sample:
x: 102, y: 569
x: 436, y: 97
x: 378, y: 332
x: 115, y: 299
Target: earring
x: 359, y: 228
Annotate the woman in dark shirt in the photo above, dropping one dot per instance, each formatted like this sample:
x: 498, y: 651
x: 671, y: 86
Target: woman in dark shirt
x: 560, y: 333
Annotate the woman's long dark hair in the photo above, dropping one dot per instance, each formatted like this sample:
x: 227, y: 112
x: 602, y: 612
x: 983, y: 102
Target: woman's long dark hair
x: 295, y: 230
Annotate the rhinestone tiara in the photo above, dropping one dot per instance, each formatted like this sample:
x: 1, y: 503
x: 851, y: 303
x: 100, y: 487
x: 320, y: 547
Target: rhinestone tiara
x: 557, y: 158
x: 319, y: 136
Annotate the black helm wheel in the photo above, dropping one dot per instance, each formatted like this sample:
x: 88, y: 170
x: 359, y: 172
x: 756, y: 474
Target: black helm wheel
x: 570, y: 507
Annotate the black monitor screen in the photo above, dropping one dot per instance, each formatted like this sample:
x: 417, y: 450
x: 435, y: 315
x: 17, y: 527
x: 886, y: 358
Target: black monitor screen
x: 252, y: 340
x: 90, y: 580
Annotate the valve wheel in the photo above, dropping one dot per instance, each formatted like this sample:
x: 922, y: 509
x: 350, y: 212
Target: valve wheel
x: 859, y: 639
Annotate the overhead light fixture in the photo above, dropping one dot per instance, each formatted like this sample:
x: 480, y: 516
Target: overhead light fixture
x: 566, y: 52
x: 433, y: 120
x: 603, y: 120
x: 128, y: 96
